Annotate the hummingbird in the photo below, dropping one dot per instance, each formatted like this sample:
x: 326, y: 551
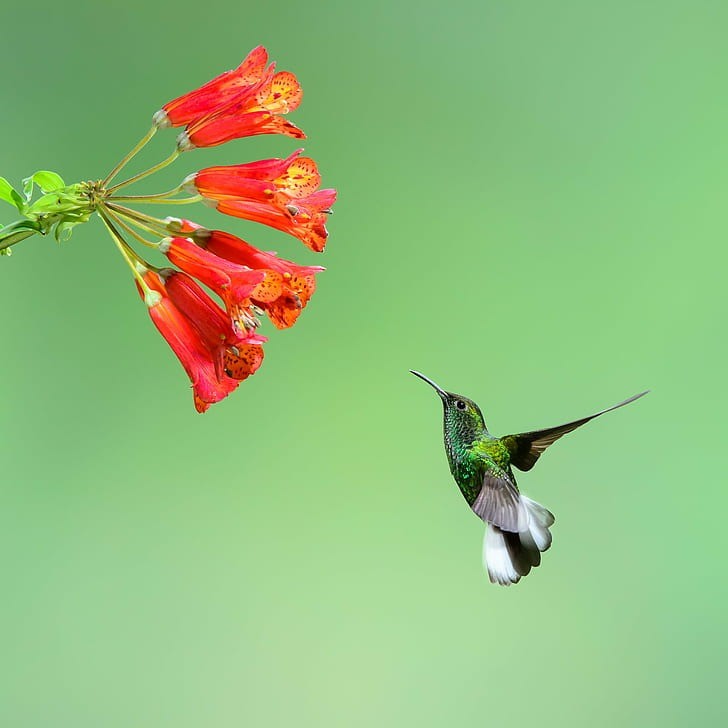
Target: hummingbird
x: 517, y: 528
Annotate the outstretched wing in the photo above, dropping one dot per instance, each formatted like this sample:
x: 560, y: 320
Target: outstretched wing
x: 526, y: 448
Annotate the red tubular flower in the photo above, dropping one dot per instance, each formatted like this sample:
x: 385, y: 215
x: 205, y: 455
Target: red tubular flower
x: 234, y: 355
x: 243, y: 360
x: 295, y: 177
x: 296, y: 283
x: 304, y: 217
x: 180, y: 226
x: 235, y: 284
x: 216, y: 93
x: 282, y: 193
x: 256, y: 110
x: 187, y: 344
x: 216, y: 340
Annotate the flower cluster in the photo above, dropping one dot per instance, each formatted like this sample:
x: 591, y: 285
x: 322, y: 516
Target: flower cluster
x: 207, y: 302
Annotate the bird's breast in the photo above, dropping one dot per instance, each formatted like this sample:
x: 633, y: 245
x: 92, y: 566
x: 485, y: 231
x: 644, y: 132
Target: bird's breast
x: 468, y: 477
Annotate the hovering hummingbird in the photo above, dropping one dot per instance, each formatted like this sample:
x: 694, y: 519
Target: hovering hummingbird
x: 518, y: 527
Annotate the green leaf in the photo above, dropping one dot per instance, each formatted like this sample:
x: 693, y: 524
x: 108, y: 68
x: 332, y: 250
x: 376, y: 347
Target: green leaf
x: 64, y: 229
x: 5, y: 251
x: 28, y: 188
x: 53, y: 202
x: 9, y: 194
x: 15, y: 232
x: 48, y: 181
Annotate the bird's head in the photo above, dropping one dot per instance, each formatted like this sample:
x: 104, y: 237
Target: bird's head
x: 463, y: 419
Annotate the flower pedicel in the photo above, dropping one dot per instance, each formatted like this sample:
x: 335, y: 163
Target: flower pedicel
x: 218, y: 346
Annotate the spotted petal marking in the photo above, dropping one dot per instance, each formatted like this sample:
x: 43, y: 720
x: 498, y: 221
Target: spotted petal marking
x: 302, y: 178
x: 284, y: 94
x: 269, y: 289
x: 242, y: 361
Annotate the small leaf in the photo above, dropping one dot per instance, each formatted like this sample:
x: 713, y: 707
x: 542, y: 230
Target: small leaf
x: 28, y: 188
x: 48, y: 181
x: 8, y: 193
x: 64, y: 229
x: 53, y: 202
x: 17, y: 231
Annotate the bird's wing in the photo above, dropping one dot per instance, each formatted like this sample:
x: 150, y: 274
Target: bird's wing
x: 497, y: 502
x: 526, y: 448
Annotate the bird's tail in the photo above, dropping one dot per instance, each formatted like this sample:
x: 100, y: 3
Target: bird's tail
x: 509, y: 556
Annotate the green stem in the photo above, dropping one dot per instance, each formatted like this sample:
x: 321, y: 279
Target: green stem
x: 152, y: 224
x: 16, y: 232
x: 117, y: 218
x: 156, y: 196
x: 164, y: 163
x: 130, y: 257
x: 151, y: 200
x: 139, y: 146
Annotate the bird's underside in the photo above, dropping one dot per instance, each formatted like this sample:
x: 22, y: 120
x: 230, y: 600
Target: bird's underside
x: 517, y: 528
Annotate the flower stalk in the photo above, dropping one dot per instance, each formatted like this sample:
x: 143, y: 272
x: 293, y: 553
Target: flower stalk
x: 128, y: 157
x: 135, y: 263
x: 146, y: 173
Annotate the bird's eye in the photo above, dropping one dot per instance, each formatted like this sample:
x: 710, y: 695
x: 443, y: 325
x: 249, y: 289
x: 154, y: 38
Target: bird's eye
x: 460, y: 404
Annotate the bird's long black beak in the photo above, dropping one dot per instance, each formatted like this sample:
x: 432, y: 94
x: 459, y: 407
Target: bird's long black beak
x: 437, y: 388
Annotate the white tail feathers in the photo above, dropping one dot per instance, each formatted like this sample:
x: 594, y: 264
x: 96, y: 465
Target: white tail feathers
x: 509, y: 556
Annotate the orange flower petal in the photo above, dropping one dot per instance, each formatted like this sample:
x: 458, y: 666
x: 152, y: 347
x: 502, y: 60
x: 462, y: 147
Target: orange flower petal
x: 252, y: 68
x: 307, y: 225
x: 216, y: 93
x: 222, y: 128
x: 189, y: 347
x: 301, y: 178
x: 284, y: 311
x: 283, y: 95
x: 242, y: 361
x: 270, y: 288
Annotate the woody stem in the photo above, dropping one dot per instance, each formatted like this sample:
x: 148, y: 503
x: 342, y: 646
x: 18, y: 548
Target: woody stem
x: 139, y: 146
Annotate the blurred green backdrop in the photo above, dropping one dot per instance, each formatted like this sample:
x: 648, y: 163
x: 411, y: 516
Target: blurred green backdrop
x: 533, y: 212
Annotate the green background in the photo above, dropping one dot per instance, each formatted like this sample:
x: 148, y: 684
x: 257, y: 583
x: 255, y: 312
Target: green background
x: 532, y: 211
